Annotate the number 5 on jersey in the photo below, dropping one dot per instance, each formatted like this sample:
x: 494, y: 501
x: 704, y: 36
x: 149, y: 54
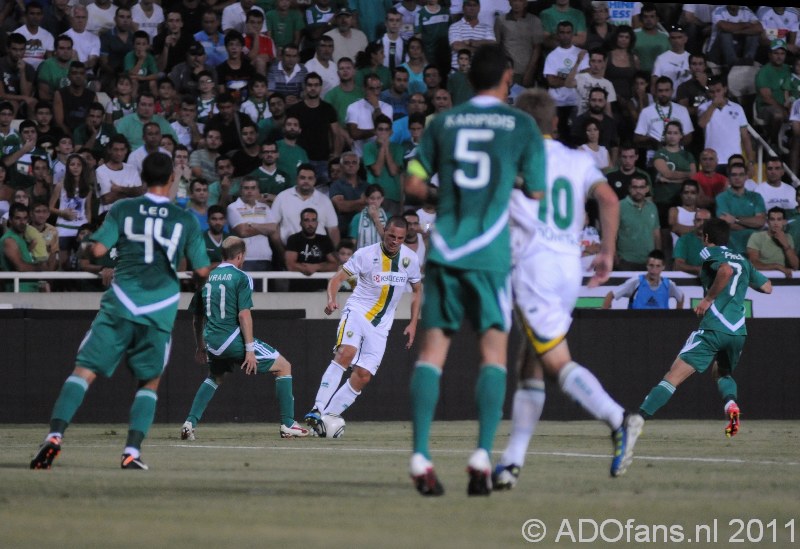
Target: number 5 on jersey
x: 480, y: 159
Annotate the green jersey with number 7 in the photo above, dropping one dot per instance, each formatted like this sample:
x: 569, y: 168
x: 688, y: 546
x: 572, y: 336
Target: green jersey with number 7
x: 478, y: 150
x: 727, y: 313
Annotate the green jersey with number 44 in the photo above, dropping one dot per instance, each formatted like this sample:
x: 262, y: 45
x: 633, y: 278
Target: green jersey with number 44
x: 478, y: 150
x: 152, y: 236
x: 727, y: 312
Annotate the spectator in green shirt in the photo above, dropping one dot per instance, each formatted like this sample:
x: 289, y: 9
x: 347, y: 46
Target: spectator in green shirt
x: 284, y: 24
x: 384, y: 162
x: 52, y: 73
x: 770, y: 80
x: 140, y: 63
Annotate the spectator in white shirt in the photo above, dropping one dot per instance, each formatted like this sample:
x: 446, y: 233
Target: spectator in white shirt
x: 289, y: 203
x: 86, y: 44
x: 40, y: 43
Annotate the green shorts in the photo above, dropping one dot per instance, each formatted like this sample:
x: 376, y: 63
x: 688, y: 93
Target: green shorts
x: 232, y: 357
x: 703, y: 346
x: 146, y: 348
x: 484, y: 297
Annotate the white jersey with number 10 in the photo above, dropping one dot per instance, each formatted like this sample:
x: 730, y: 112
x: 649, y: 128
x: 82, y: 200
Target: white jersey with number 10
x: 556, y: 221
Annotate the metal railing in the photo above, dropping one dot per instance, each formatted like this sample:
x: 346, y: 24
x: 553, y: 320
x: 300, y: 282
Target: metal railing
x: 761, y: 145
x: 263, y: 276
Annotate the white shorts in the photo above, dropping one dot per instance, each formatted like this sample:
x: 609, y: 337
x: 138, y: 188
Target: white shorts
x: 370, y: 343
x: 546, y: 287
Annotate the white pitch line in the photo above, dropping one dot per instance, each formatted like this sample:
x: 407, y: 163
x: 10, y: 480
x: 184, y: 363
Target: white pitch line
x: 450, y: 452
x: 530, y: 453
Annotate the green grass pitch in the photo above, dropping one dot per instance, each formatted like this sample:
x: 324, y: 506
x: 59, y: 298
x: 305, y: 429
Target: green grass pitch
x: 239, y: 485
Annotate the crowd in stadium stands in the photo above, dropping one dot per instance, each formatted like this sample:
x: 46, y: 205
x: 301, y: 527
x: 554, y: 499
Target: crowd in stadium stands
x: 290, y: 122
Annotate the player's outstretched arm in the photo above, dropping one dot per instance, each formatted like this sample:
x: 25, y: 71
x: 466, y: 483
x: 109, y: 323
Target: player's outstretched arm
x: 416, y: 300
x: 98, y: 250
x: 199, y: 324
x: 333, y: 290
x: 417, y: 187
x: 608, y: 203
x: 765, y: 288
x: 250, y: 363
x: 416, y: 183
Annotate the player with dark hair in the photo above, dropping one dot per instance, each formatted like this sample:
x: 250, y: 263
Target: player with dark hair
x: 152, y: 236
x: 478, y: 150
x: 725, y: 275
x: 384, y: 271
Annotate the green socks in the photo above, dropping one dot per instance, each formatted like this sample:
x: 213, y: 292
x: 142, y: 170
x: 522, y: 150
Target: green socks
x: 661, y: 393
x: 490, y: 394
x: 204, y: 395
x: 143, y: 410
x: 283, y: 390
x: 727, y: 388
x: 656, y: 398
x: 69, y: 400
x: 425, y: 382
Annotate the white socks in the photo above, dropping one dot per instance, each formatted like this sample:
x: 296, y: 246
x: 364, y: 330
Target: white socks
x: 330, y: 382
x: 342, y: 400
x: 581, y: 384
x: 526, y: 411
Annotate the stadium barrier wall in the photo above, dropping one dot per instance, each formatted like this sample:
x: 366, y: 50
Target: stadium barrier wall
x: 628, y: 350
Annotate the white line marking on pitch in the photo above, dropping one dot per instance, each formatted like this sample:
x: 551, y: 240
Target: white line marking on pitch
x: 530, y: 453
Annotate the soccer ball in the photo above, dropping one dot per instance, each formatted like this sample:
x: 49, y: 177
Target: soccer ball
x: 331, y: 426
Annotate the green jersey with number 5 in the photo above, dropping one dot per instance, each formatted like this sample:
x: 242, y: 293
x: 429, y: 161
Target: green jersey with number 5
x: 727, y: 312
x: 152, y: 236
x: 478, y: 150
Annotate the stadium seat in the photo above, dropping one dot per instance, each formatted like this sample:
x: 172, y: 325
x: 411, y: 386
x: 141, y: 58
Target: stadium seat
x: 715, y: 69
x: 785, y: 138
x: 742, y: 81
x: 103, y: 99
x: 757, y: 121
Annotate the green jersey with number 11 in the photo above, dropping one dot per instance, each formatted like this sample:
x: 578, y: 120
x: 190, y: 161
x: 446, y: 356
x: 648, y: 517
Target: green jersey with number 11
x: 228, y: 291
x: 152, y: 236
x: 727, y: 312
x: 478, y: 149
